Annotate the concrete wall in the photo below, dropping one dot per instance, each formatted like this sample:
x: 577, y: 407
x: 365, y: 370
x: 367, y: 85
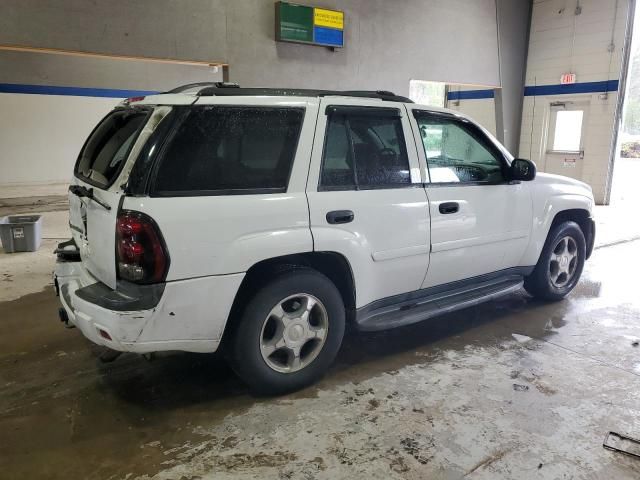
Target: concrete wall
x: 562, y: 41
x: 386, y: 44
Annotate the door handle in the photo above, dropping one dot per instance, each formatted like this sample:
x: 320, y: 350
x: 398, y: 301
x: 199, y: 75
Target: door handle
x: 449, y: 207
x: 340, y: 216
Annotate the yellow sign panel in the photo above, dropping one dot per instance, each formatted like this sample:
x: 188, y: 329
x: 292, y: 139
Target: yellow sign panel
x: 328, y: 18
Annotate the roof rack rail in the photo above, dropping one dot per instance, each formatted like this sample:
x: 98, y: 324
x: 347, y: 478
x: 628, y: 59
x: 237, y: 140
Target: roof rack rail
x: 191, y: 86
x: 215, y: 89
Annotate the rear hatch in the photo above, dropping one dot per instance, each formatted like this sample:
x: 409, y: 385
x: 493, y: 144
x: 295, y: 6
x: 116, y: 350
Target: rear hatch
x: 94, y: 195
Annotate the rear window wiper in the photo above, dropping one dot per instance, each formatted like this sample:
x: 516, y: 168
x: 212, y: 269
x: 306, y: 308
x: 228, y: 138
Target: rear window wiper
x: 81, y: 191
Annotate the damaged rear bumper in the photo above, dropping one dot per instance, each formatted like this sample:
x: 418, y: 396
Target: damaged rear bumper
x: 188, y: 315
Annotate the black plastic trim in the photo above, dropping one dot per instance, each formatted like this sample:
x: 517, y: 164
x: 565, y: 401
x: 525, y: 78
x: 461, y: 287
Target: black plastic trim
x: 363, y: 111
x: 406, y: 301
x: 126, y: 297
x: 590, y: 236
x: 347, y: 188
x: 215, y: 193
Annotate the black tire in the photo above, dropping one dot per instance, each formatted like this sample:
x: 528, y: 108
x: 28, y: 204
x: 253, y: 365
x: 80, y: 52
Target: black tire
x: 540, y: 284
x: 244, y: 352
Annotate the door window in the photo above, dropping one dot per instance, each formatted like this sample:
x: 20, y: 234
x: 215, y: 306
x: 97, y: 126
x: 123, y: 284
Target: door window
x: 364, y: 148
x: 457, y: 151
x: 567, y: 131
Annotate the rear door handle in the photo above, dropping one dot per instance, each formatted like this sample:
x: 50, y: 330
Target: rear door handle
x: 449, y: 207
x: 340, y: 216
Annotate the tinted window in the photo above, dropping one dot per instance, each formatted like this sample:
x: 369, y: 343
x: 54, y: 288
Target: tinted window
x: 231, y: 149
x: 337, y: 162
x: 457, y: 151
x: 364, y: 151
x: 108, y: 146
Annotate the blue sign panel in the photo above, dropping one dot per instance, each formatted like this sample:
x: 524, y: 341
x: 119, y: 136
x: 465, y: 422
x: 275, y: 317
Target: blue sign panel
x: 328, y: 36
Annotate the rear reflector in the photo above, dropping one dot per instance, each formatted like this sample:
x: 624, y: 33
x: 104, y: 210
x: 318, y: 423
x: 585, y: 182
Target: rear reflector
x: 141, y: 254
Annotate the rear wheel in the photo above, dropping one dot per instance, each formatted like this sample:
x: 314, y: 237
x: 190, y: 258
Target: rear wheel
x: 289, y: 332
x: 560, y: 265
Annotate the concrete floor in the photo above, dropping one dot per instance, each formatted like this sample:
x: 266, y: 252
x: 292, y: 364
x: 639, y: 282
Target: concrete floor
x: 512, y: 389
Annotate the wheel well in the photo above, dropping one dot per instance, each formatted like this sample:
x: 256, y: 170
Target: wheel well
x: 582, y: 218
x: 331, y: 264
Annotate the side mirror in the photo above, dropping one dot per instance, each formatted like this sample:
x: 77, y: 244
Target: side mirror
x: 522, y: 169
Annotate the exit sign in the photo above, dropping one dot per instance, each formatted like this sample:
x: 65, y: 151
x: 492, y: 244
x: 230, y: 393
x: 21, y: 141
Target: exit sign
x: 311, y: 25
x: 568, y: 78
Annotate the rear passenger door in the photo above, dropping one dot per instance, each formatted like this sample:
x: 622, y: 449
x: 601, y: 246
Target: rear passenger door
x: 366, y: 198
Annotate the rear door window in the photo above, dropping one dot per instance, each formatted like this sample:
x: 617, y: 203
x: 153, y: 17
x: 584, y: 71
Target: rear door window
x: 364, y: 148
x: 220, y: 150
x: 108, y: 147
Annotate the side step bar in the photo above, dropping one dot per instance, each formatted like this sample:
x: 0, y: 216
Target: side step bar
x: 428, y: 305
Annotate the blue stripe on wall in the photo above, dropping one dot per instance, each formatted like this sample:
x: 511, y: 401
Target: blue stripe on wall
x: 585, y: 87
x: 73, y: 91
x: 470, y: 94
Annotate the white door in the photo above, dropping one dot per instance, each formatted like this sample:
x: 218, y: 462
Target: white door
x: 565, y: 138
x: 366, y: 198
x: 480, y: 221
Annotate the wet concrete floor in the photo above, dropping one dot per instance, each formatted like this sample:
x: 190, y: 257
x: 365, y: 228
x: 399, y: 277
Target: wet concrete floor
x: 512, y: 389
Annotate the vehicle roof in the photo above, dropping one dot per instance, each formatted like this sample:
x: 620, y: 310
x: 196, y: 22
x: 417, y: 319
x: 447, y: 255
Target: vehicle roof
x: 189, y: 94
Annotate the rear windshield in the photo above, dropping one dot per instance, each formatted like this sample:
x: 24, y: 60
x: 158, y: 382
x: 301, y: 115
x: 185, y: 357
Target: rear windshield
x: 108, y: 146
x: 219, y: 150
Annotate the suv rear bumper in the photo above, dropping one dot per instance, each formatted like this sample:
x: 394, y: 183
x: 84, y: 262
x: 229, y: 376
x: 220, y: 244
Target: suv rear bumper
x: 188, y: 315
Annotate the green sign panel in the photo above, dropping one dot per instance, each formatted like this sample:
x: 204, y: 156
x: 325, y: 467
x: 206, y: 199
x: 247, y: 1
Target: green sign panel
x: 313, y: 25
x: 295, y: 22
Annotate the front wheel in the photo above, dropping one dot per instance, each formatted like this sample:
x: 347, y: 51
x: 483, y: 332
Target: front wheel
x: 560, y: 265
x: 289, y: 332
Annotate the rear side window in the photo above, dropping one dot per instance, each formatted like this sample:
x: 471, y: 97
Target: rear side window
x: 108, y: 146
x: 364, y: 148
x: 218, y: 150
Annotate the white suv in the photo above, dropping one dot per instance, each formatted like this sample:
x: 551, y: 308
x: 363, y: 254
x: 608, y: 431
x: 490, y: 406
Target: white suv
x: 263, y: 221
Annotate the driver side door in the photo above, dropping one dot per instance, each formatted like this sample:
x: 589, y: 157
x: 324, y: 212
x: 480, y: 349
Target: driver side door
x: 480, y: 220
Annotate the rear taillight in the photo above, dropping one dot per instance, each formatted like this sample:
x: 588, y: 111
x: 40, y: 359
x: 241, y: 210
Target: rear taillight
x: 141, y: 255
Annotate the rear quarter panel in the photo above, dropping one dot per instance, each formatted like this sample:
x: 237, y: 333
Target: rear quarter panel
x: 224, y: 234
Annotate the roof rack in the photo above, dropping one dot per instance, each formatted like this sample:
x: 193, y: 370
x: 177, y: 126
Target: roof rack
x: 201, y: 85
x: 225, y: 90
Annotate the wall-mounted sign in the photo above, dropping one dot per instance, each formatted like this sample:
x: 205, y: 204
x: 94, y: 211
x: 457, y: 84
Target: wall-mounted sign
x: 312, y: 25
x: 567, y: 78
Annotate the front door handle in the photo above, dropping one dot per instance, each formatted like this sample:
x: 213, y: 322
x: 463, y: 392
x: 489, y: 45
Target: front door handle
x: 340, y: 216
x: 449, y: 207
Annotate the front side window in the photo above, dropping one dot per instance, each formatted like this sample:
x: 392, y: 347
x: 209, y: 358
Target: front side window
x: 231, y: 149
x: 364, y: 149
x: 457, y: 151
x: 108, y: 146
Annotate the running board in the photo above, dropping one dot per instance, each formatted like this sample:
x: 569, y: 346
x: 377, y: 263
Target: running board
x: 424, y: 305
